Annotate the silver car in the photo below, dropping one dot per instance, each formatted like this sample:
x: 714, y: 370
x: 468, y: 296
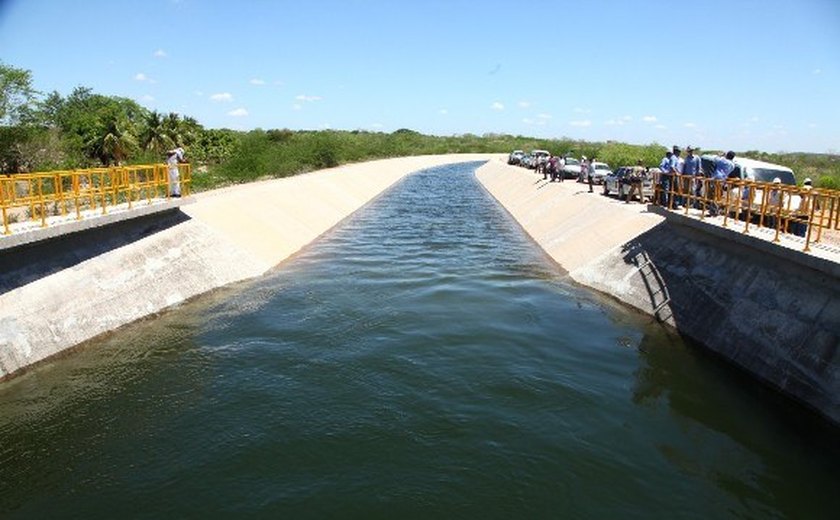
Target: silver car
x: 601, y: 172
x: 615, y: 183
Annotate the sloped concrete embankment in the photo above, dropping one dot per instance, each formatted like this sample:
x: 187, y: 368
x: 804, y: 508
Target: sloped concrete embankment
x: 225, y: 236
x: 771, y: 311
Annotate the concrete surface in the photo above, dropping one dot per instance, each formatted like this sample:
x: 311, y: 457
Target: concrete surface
x: 773, y: 311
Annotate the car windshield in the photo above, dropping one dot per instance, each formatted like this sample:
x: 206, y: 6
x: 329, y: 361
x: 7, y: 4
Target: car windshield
x: 571, y: 162
x: 768, y: 174
x: 601, y: 167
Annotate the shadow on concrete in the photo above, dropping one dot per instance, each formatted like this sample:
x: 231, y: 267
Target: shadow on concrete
x: 774, y: 317
x: 634, y: 253
x: 28, y: 263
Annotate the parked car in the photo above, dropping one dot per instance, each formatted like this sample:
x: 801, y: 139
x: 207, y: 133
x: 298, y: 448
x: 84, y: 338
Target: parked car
x: 615, y: 182
x: 539, y: 157
x: 572, y: 168
x: 752, y: 169
x: 601, y: 171
x: 526, y: 161
x: 515, y: 156
x: 758, y: 171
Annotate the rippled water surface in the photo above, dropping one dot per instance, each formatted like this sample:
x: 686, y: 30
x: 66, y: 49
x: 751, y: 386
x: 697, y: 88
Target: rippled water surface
x: 422, y: 360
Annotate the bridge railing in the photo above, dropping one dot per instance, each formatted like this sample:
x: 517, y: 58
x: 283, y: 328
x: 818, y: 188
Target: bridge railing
x: 808, y: 213
x: 38, y: 196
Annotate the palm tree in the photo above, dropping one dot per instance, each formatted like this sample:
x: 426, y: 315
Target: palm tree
x: 115, y: 142
x: 154, y: 137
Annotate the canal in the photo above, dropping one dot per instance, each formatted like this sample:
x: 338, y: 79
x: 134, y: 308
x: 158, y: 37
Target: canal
x: 423, y: 359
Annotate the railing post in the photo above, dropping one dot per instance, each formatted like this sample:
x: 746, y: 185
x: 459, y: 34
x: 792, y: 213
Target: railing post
x: 3, y: 186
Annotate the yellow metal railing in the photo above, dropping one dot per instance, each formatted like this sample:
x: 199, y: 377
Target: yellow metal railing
x: 783, y: 208
x: 39, y: 196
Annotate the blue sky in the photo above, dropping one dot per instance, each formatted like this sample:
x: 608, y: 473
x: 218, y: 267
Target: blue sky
x: 737, y: 74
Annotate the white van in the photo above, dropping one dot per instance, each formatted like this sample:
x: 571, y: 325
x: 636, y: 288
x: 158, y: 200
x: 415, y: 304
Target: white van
x: 758, y: 171
x: 753, y: 170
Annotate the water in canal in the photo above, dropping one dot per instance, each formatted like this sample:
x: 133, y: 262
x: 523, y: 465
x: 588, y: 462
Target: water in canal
x: 422, y: 360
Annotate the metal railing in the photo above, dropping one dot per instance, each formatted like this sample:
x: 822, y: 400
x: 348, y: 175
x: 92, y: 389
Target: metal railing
x: 786, y: 209
x: 36, y: 197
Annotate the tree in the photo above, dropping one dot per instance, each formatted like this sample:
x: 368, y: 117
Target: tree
x: 102, y: 128
x: 116, y: 141
x: 153, y: 136
x: 16, y: 95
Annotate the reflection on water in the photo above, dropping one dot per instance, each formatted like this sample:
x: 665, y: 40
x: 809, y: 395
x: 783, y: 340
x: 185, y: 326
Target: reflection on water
x: 423, y: 359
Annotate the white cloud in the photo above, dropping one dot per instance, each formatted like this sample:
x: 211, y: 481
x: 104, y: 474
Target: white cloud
x: 581, y: 123
x: 160, y: 53
x: 142, y: 77
x: 544, y: 117
x: 226, y: 97
x: 497, y: 106
x: 199, y: 93
x: 326, y: 126
x: 690, y: 125
x: 308, y: 99
x: 579, y: 110
x: 649, y: 119
x: 661, y: 127
x: 524, y: 104
x: 257, y: 81
x: 443, y: 111
x: 239, y: 112
x: 297, y: 106
x: 147, y: 98
x: 377, y: 125
x: 817, y: 71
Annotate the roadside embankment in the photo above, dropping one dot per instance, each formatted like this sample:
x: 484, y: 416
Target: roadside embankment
x: 69, y: 289
x: 771, y: 311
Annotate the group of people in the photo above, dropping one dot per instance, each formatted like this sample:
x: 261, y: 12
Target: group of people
x: 552, y: 166
x: 690, y: 169
x: 681, y: 180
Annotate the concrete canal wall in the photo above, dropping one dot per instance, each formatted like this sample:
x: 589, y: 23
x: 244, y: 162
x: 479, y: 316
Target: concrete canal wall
x: 60, y: 292
x: 772, y: 311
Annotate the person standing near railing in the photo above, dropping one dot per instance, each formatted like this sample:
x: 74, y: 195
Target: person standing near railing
x: 724, y: 165
x: 173, y: 157
x: 691, y: 170
x: 775, y: 204
x: 799, y: 224
x: 677, y: 164
x: 665, y: 178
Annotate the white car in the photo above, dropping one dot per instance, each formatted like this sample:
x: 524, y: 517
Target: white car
x: 572, y: 168
x: 540, y: 157
x: 601, y: 171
